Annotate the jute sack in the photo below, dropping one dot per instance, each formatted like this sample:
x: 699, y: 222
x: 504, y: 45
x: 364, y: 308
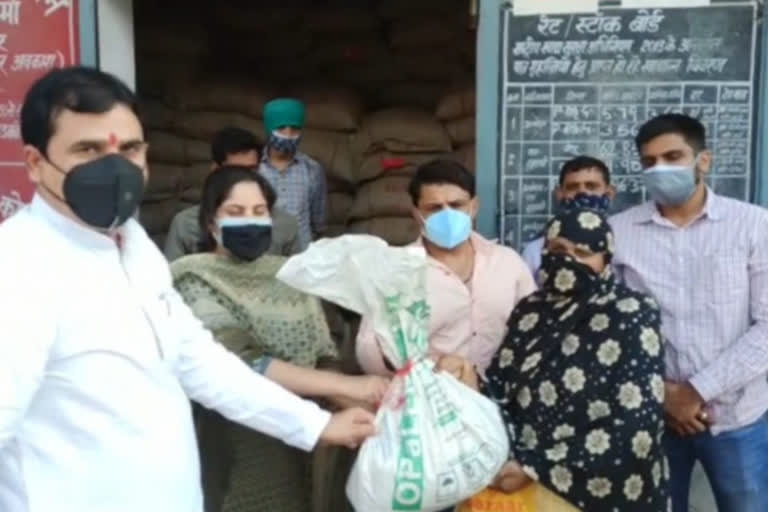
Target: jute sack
x: 423, y: 66
x: 191, y: 195
x: 164, y: 181
x: 409, y: 94
x: 193, y: 179
x: 401, y: 130
x: 339, y: 53
x: 185, y: 40
x: 334, y: 109
x: 389, y: 163
x: 334, y: 184
x: 259, y: 18
x: 339, y: 206
x: 457, y: 103
x: 166, y: 147
x: 229, y: 94
x: 466, y: 156
x: 331, y: 150
x: 394, y: 230
x: 334, y: 230
x: 398, y: 9
x: 384, y: 197
x: 423, y: 32
x: 156, y: 75
x: 155, y: 115
x: 156, y: 216
x: 461, y: 131
x: 204, y: 125
x: 341, y: 20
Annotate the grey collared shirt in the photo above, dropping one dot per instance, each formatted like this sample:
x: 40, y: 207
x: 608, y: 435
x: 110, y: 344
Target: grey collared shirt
x: 302, y: 192
x: 710, y: 279
x: 184, y: 234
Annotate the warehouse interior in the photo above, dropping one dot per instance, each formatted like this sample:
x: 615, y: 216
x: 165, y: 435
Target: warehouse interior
x: 388, y: 84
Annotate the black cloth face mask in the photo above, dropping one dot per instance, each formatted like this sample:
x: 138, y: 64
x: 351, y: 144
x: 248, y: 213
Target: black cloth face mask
x: 245, y: 239
x: 104, y: 193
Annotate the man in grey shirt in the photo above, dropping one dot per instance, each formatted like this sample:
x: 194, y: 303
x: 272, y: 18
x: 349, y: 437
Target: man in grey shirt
x: 231, y: 146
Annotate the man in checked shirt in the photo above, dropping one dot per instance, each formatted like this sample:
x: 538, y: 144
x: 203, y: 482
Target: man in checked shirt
x: 298, y: 179
x: 704, y: 258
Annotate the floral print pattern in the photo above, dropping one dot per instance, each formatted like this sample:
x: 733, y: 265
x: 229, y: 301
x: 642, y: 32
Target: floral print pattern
x: 586, y: 383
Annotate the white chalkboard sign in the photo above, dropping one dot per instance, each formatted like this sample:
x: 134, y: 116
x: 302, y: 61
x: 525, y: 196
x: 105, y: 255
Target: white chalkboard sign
x: 584, y: 83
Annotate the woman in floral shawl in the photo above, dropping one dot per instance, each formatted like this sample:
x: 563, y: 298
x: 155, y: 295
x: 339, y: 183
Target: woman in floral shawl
x: 579, y: 379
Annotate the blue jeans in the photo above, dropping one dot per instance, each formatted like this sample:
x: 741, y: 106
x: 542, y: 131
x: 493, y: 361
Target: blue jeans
x: 736, y: 464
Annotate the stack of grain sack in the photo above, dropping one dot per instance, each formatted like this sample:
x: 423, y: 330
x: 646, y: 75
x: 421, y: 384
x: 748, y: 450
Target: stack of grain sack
x: 391, y: 144
x: 333, y: 117
x: 456, y: 111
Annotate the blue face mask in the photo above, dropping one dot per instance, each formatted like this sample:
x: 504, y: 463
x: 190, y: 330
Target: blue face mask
x: 448, y: 228
x: 581, y: 200
x: 670, y: 185
x: 283, y: 144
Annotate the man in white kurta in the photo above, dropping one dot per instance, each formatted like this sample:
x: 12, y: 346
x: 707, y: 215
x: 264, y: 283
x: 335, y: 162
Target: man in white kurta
x: 99, y: 356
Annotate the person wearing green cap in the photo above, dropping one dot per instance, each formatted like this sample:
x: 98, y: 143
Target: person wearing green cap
x: 298, y: 179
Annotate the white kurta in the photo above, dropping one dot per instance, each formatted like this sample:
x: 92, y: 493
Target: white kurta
x: 98, y: 358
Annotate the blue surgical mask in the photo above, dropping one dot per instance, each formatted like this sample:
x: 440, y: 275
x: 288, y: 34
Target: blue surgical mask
x: 448, y: 228
x: 581, y: 200
x: 670, y: 185
x: 284, y: 144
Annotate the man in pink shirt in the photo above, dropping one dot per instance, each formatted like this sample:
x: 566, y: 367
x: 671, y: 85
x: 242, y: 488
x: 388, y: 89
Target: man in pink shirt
x: 472, y: 283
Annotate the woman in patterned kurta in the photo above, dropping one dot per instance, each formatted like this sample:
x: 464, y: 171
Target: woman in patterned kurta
x: 235, y: 293
x: 579, y: 377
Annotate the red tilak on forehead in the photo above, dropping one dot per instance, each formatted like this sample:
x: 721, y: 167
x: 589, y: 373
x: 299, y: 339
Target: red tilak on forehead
x: 113, y: 140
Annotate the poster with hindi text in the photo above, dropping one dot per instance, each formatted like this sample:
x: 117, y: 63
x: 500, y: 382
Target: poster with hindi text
x: 36, y: 36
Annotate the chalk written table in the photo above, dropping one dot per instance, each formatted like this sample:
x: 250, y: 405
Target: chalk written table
x: 556, y: 108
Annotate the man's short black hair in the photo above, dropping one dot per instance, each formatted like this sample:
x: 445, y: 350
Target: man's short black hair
x: 230, y: 141
x: 441, y: 172
x: 584, y: 162
x: 216, y: 189
x: 690, y: 129
x: 79, y: 89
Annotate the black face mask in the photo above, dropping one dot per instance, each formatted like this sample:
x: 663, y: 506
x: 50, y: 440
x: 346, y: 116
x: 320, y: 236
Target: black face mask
x: 246, y: 241
x: 103, y: 193
x: 564, y: 275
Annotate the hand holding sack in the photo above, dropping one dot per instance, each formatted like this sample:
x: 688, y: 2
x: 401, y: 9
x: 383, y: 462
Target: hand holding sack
x: 438, y: 442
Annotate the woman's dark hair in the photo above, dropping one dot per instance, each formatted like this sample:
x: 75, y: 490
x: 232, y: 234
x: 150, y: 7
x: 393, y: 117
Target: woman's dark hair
x: 216, y: 189
x: 79, y: 89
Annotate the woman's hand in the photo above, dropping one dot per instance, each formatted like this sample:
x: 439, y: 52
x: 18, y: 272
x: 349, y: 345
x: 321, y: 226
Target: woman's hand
x: 463, y: 370
x: 366, y: 391
x: 349, y: 428
x: 511, y: 478
x: 369, y: 389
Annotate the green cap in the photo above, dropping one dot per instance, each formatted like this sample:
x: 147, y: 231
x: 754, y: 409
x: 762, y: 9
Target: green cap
x: 283, y: 112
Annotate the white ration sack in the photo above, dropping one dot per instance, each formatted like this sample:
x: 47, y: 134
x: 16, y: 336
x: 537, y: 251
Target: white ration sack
x: 438, y: 442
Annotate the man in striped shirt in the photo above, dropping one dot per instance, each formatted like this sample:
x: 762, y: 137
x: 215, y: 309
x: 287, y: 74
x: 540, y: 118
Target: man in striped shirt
x: 705, y: 259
